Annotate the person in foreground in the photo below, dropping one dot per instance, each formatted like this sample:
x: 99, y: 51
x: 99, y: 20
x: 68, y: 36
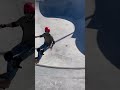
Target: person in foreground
x: 24, y: 49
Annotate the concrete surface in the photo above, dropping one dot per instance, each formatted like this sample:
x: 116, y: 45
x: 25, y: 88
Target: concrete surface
x: 65, y: 53
x: 63, y: 67
x: 59, y: 79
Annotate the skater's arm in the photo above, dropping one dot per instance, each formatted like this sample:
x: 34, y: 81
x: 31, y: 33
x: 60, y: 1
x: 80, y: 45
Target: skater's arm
x: 39, y: 36
x: 53, y: 41
x: 12, y: 24
x: 52, y: 44
x: 2, y: 25
x: 8, y: 25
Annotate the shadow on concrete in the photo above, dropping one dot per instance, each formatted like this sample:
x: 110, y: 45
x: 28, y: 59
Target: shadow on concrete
x: 63, y: 37
x: 70, y: 10
x: 107, y: 21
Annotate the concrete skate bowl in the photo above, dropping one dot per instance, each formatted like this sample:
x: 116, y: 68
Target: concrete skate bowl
x: 70, y: 10
x: 59, y: 79
x: 65, y: 53
x: 106, y: 21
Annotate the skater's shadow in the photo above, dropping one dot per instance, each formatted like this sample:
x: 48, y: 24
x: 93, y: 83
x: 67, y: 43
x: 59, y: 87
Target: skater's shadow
x: 107, y: 22
x: 69, y: 10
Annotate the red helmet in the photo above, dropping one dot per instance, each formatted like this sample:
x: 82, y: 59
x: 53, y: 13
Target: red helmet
x: 29, y: 8
x: 47, y: 29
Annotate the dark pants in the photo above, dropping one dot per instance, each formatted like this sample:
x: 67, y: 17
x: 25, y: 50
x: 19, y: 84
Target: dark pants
x: 44, y: 47
x: 21, y: 51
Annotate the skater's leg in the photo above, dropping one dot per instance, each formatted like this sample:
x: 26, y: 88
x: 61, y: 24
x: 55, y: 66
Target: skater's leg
x: 40, y: 49
x: 39, y: 57
x: 20, y: 52
x: 44, y: 47
x: 12, y: 65
x: 11, y: 70
x: 27, y: 51
x: 9, y: 58
x: 23, y: 51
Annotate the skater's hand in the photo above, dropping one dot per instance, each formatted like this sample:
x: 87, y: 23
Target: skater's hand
x: 2, y: 25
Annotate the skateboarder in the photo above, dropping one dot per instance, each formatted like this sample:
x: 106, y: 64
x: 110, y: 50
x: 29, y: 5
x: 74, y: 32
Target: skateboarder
x: 48, y: 43
x: 22, y: 50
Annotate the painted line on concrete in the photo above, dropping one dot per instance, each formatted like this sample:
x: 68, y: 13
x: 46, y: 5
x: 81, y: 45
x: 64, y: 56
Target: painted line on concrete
x: 55, y: 67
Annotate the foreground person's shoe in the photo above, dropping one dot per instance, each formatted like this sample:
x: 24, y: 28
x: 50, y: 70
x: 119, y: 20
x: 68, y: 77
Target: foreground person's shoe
x: 4, y: 83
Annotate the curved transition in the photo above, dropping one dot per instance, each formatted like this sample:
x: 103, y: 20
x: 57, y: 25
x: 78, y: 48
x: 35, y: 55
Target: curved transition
x: 67, y: 28
x: 69, y: 10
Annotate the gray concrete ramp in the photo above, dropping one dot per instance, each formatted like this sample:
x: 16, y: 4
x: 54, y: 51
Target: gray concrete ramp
x: 63, y: 67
